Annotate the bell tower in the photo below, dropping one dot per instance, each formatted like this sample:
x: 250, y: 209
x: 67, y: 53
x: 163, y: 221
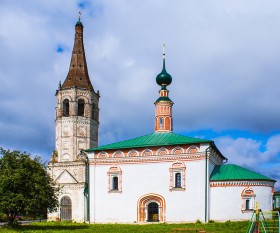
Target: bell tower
x: 77, y: 109
x: 76, y: 124
x: 163, y: 111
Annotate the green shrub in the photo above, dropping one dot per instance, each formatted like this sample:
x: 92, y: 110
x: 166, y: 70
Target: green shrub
x: 198, y: 221
x: 3, y: 217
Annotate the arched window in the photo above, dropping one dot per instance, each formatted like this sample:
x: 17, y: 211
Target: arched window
x: 115, y: 183
x: 247, y: 205
x: 93, y: 111
x: 178, y: 180
x: 160, y: 123
x: 177, y: 176
x: 81, y: 107
x: 65, y: 208
x: 66, y: 107
x: 248, y: 200
x: 115, y: 180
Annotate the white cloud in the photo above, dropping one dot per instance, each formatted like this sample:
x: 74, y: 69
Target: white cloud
x: 263, y: 157
x: 223, y: 56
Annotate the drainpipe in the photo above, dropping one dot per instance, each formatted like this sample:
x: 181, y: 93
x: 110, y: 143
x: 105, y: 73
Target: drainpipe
x: 206, y: 216
x: 87, y: 213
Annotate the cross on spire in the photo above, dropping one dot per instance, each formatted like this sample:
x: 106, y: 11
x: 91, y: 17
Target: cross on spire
x: 79, y: 13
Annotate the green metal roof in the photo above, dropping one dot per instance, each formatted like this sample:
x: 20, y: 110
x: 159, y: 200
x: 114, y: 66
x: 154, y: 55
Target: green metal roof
x: 163, y: 98
x: 235, y: 172
x: 150, y: 140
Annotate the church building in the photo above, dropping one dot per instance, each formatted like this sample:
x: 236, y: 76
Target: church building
x: 159, y: 177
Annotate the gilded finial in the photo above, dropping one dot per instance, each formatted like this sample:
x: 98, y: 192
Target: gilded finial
x: 79, y: 13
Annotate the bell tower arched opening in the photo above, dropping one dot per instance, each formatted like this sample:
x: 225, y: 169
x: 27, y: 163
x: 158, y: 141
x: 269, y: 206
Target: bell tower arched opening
x: 66, y: 107
x: 81, y: 107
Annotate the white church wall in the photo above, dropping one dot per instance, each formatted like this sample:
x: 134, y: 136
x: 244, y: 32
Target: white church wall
x: 226, y: 202
x: 142, y: 179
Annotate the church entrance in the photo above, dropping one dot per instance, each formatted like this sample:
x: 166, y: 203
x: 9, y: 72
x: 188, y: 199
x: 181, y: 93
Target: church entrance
x: 151, y: 208
x: 153, y: 212
x: 65, y: 209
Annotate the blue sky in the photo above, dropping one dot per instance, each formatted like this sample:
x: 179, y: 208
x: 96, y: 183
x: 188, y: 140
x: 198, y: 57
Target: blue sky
x: 223, y: 56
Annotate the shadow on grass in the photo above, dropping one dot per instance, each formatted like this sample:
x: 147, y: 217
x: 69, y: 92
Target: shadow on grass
x: 54, y: 227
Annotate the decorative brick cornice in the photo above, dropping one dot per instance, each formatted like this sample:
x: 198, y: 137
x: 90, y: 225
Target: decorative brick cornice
x: 66, y: 164
x: 147, y: 159
x: 246, y: 183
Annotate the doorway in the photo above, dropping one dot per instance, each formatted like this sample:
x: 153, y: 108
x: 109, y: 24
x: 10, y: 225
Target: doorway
x: 153, y: 213
x: 65, y: 209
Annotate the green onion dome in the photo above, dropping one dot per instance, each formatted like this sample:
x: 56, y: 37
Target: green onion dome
x: 163, y: 78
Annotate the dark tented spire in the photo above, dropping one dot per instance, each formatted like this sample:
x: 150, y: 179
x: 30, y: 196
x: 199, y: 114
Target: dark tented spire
x: 78, y: 72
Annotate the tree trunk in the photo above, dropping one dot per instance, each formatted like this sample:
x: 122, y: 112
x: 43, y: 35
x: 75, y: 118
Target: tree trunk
x: 11, y: 218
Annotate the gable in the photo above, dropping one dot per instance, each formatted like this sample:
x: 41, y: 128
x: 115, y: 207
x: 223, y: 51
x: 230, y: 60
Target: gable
x: 66, y: 178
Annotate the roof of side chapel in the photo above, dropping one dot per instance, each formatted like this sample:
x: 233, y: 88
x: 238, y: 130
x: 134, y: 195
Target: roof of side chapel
x: 228, y: 172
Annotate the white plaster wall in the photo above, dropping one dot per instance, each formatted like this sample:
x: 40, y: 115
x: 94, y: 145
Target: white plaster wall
x: 142, y: 179
x: 76, y: 195
x: 226, y: 202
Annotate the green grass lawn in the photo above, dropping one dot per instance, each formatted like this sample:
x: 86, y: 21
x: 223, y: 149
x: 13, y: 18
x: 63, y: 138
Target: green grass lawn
x: 56, y: 227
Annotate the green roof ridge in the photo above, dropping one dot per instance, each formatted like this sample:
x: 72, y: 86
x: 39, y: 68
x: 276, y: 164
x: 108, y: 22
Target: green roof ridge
x: 227, y: 172
x: 150, y: 140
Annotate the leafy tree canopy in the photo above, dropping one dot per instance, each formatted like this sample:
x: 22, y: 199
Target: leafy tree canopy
x: 25, y: 186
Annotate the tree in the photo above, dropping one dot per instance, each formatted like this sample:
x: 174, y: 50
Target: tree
x: 25, y: 186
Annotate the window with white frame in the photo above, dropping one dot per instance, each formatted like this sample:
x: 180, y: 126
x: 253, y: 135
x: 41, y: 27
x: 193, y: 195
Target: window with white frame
x: 114, y: 180
x: 177, y: 176
x: 248, y: 200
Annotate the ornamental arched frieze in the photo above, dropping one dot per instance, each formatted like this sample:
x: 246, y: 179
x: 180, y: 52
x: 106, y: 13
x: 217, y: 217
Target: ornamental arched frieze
x: 192, y: 149
x: 177, y: 150
x: 133, y: 153
x: 147, y: 152
x: 118, y: 154
x: 162, y: 151
x: 102, y: 155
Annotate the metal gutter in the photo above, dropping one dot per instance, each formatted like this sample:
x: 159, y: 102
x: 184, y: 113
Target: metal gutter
x: 206, y: 210
x: 87, y: 195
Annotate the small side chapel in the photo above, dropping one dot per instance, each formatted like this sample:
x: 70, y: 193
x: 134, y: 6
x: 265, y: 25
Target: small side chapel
x: 159, y: 177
